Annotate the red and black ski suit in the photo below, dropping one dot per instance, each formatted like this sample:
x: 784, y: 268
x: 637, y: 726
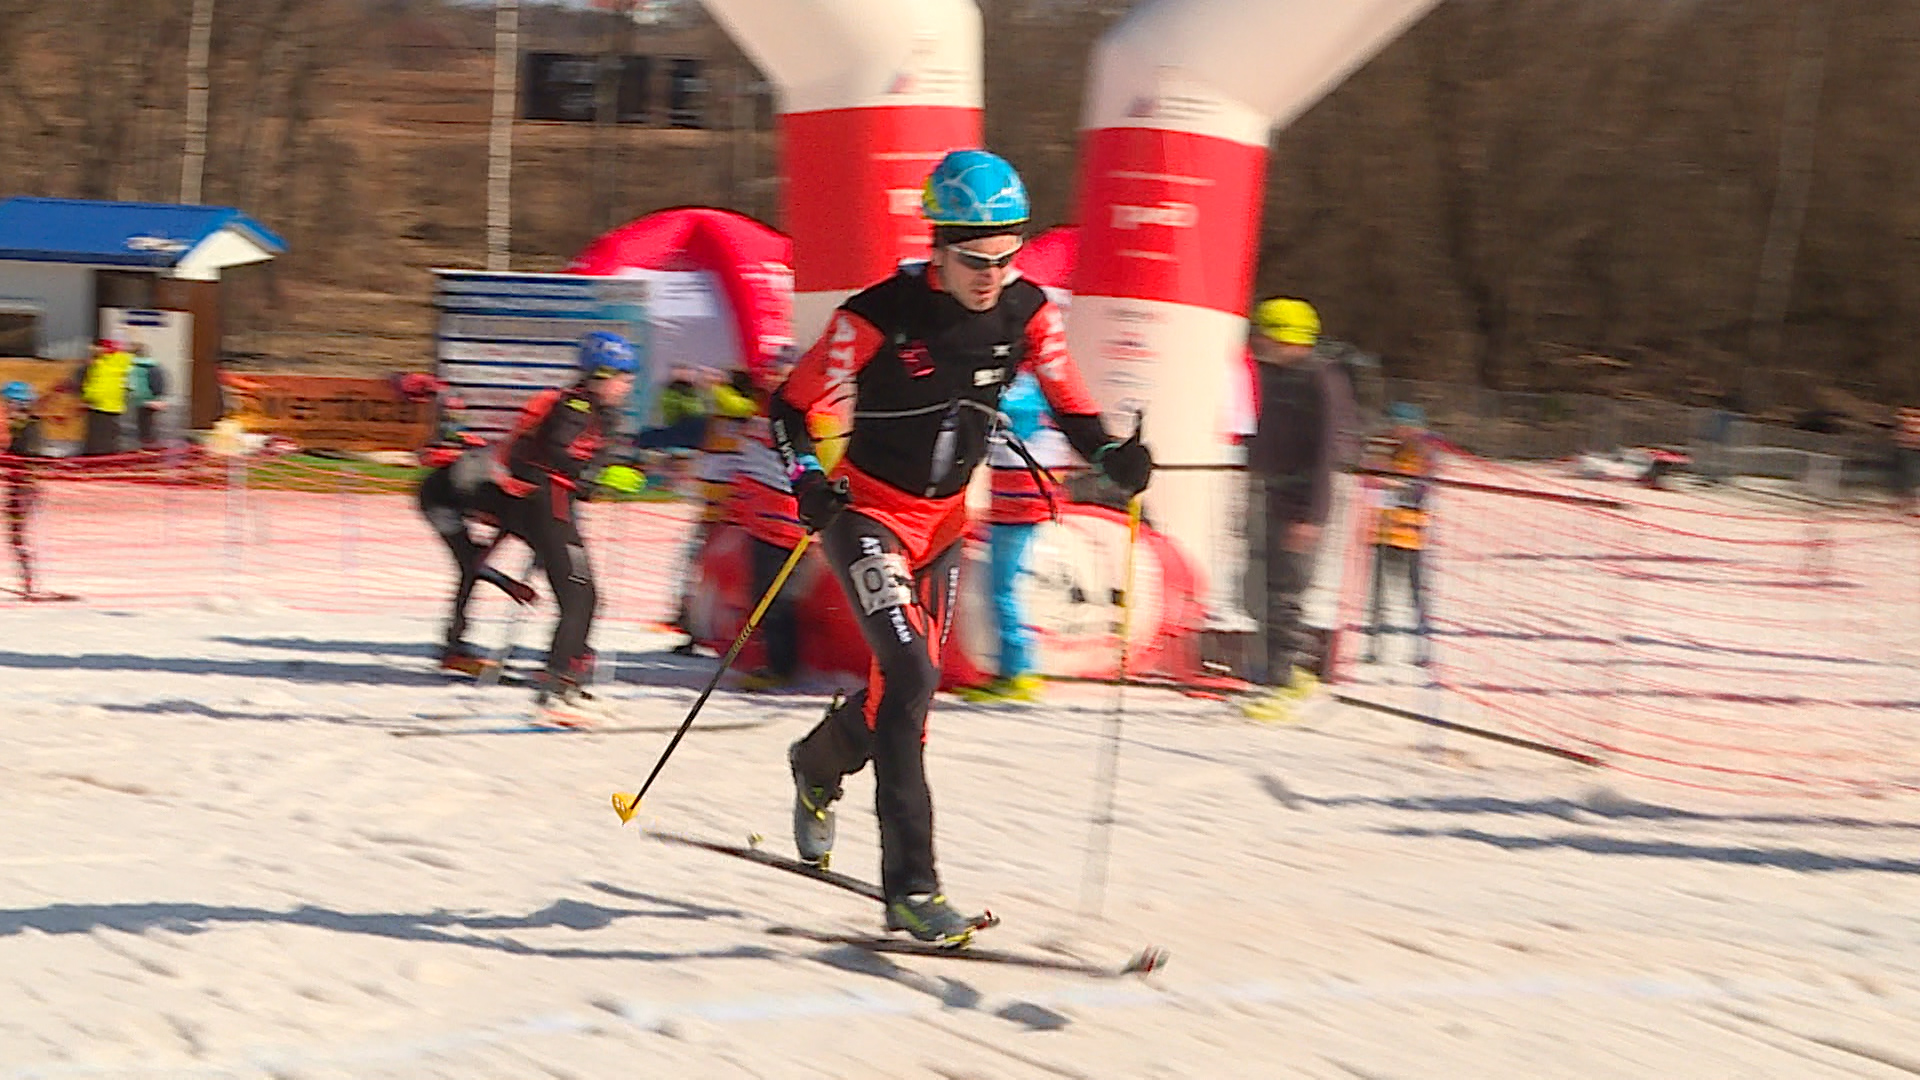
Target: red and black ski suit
x: 536, y: 478
x: 927, y: 374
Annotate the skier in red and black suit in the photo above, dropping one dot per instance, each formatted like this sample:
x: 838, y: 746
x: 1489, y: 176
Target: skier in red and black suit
x: 929, y: 352
x: 563, y: 437
x: 460, y: 466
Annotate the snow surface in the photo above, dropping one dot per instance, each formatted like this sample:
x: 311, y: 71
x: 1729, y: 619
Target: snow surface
x: 217, y: 861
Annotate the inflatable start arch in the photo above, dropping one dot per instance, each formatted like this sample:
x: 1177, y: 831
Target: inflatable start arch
x: 1180, y: 101
x: 872, y: 94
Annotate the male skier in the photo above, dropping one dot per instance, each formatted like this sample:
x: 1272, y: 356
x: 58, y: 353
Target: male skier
x: 928, y: 352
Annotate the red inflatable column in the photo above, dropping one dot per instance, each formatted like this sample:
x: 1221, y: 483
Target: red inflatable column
x: 873, y: 92
x: 1180, y: 102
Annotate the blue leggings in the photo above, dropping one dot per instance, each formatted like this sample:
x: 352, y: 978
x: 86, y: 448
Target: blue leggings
x: 1008, y: 545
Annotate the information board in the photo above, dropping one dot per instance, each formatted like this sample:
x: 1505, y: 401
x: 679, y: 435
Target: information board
x: 504, y: 337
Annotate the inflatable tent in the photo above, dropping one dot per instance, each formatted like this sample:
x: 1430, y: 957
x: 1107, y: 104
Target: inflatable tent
x: 720, y: 286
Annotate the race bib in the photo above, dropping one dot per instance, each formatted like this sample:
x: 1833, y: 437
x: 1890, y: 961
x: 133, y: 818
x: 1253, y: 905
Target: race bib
x: 881, y: 581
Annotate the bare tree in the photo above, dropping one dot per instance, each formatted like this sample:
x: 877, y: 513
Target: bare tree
x: 199, y: 50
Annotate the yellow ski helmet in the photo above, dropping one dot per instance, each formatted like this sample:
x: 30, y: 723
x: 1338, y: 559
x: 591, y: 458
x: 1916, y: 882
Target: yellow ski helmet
x: 1287, y: 321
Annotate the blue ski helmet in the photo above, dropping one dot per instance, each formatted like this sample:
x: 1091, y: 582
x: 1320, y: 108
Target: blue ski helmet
x: 972, y: 188
x: 18, y: 393
x: 606, y: 353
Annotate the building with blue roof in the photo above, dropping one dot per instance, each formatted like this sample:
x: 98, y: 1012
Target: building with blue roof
x: 76, y: 270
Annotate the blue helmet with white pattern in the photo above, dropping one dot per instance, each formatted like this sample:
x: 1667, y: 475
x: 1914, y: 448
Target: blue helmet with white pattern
x: 974, y: 189
x: 18, y: 393
x: 604, y: 352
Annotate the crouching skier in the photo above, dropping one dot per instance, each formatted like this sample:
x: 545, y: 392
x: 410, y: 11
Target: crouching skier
x: 929, y: 351
x: 449, y: 497
x: 558, y: 449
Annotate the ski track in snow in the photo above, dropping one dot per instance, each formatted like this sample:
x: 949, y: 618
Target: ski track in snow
x: 215, y: 862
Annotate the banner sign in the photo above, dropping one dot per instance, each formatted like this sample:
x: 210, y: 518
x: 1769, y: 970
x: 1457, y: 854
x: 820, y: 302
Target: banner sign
x: 328, y: 412
x: 504, y: 337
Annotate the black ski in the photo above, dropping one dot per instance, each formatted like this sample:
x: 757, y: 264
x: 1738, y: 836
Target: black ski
x: 509, y: 677
x: 44, y: 597
x: 510, y: 724
x: 753, y: 853
x: 1146, y: 961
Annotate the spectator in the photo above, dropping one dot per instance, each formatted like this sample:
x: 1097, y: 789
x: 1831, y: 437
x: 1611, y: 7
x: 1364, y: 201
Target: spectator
x: 103, y: 382
x: 1291, y: 460
x: 1400, y: 523
x: 683, y: 419
x: 23, y: 442
x: 729, y: 416
x: 1022, y: 499
x: 1906, y: 457
x: 761, y: 502
x: 146, y: 395
x: 1719, y: 466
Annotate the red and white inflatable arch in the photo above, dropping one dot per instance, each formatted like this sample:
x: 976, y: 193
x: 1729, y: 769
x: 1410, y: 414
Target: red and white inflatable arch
x: 1180, y: 101
x: 1048, y: 261
x: 872, y: 94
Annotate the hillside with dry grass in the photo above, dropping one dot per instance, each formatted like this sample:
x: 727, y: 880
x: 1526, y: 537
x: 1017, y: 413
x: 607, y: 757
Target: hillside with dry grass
x: 1669, y: 199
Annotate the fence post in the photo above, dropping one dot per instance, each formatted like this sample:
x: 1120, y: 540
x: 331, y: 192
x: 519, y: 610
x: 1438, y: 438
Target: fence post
x: 236, y: 517
x: 349, y: 528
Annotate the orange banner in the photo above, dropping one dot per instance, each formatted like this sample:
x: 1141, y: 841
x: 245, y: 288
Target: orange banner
x: 328, y: 412
x: 59, y: 413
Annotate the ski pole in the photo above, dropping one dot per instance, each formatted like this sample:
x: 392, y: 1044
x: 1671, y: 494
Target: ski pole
x: 627, y: 805
x: 1093, y: 885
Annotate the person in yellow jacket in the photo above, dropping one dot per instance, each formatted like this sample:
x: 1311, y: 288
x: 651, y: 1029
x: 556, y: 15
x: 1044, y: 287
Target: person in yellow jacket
x: 103, y: 382
x: 1400, y: 525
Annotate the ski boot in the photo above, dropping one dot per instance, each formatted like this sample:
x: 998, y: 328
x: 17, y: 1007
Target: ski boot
x: 466, y: 660
x: 1281, y: 704
x: 928, y: 917
x: 1017, y: 689
x: 763, y: 680
x: 562, y: 701
x: 813, y: 822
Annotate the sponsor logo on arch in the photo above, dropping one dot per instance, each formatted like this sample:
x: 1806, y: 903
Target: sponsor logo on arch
x: 1167, y: 213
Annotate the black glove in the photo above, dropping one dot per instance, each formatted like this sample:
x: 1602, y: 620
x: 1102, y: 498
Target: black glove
x: 820, y: 499
x: 1128, y: 464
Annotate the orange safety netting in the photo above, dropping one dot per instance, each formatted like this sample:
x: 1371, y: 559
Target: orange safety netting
x: 1681, y: 636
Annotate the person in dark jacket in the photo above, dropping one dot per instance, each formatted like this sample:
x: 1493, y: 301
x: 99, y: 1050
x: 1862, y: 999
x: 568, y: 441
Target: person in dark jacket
x: 146, y: 395
x: 23, y: 443
x: 1291, y: 462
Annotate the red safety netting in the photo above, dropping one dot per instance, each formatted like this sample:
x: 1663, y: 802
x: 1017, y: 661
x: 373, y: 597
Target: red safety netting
x: 1680, y: 636
x: 183, y: 528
